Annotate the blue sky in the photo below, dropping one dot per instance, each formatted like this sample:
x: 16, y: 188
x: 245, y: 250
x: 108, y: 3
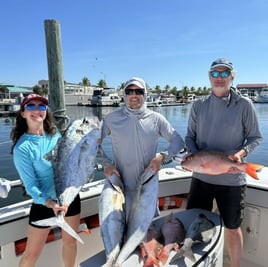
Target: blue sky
x: 164, y: 41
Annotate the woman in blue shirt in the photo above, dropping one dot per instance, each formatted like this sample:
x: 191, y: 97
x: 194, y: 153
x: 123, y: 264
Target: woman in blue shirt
x: 33, y: 136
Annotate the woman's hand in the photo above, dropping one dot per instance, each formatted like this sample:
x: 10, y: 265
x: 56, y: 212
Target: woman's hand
x: 50, y: 203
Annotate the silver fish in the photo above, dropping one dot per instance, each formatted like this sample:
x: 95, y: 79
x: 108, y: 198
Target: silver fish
x: 142, y: 212
x: 73, y: 161
x: 112, y: 218
x: 200, y: 230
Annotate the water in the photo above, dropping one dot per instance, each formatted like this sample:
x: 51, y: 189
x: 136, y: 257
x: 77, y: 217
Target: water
x: 177, y: 115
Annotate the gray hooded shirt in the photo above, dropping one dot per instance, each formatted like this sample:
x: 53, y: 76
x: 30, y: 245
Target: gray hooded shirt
x: 223, y: 124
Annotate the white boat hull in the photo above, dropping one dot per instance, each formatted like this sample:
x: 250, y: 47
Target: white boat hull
x: 173, y: 182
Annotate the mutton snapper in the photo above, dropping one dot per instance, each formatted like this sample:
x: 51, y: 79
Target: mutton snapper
x: 73, y: 162
x: 142, y: 212
x: 112, y: 218
x: 215, y: 162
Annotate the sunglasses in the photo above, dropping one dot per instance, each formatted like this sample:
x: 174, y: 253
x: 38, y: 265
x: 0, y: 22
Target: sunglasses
x: 134, y: 91
x: 216, y: 74
x: 40, y: 107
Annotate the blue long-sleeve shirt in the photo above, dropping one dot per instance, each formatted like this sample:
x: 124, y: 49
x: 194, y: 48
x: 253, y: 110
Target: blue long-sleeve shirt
x: 35, y: 171
x: 224, y: 124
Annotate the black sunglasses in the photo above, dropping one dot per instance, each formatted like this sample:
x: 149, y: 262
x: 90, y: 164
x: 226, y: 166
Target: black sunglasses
x: 134, y: 91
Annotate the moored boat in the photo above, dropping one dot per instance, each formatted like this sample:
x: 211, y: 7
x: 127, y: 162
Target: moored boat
x: 262, y: 96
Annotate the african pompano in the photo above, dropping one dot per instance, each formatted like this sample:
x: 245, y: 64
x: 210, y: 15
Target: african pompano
x: 200, y: 230
x: 112, y: 218
x: 142, y: 212
x: 173, y: 233
x: 73, y: 161
x: 214, y: 163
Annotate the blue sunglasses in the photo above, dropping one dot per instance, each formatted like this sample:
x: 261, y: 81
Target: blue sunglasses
x: 40, y: 107
x: 216, y: 74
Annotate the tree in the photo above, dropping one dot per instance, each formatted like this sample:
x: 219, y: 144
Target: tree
x: 157, y: 89
x: 102, y: 84
x: 38, y: 90
x: 86, y: 81
x: 167, y: 88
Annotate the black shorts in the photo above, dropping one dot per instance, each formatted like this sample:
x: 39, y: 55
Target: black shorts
x: 40, y: 212
x: 230, y: 200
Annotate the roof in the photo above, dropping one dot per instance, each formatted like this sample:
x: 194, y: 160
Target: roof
x: 251, y: 85
x: 15, y: 89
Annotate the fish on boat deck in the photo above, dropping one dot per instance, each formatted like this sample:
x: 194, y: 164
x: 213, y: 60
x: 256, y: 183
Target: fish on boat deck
x: 200, y: 230
x: 73, y: 162
x: 173, y: 233
x: 215, y: 162
x: 150, y: 248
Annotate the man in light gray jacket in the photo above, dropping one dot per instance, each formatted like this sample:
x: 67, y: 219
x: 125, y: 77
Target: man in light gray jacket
x: 135, y: 130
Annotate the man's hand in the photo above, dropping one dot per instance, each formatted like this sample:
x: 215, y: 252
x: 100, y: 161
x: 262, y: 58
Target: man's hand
x: 156, y: 163
x: 110, y: 170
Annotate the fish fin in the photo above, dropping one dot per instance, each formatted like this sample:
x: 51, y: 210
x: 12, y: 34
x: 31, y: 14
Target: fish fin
x: 251, y: 169
x: 60, y: 222
x: 164, y: 254
x: 232, y: 157
x: 151, y: 261
x: 183, y: 252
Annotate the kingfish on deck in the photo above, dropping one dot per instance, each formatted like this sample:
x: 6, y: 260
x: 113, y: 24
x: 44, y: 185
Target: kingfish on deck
x: 112, y: 218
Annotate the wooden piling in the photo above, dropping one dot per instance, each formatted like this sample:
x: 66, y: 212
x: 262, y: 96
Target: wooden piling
x: 55, y: 73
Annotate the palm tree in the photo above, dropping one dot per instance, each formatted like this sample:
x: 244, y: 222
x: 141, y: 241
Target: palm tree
x: 86, y: 81
x: 102, y: 84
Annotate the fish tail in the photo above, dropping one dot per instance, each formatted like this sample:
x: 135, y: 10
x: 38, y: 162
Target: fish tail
x: 59, y: 222
x: 68, y: 229
x: 252, y: 168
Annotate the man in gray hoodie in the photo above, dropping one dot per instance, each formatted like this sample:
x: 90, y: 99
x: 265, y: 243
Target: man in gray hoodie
x: 223, y: 121
x: 135, y: 130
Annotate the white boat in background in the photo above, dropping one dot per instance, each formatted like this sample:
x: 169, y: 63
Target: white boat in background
x: 191, y: 98
x: 153, y: 100
x: 262, y: 96
x: 173, y: 188
x: 105, y: 98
